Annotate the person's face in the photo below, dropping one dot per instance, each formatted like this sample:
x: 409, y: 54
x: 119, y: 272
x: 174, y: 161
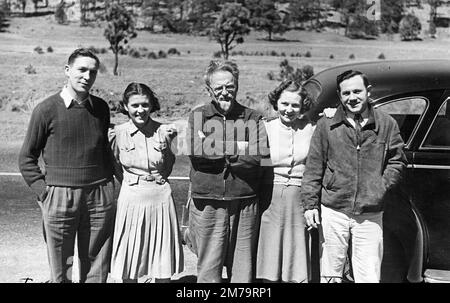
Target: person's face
x: 223, y: 89
x: 354, y: 95
x: 138, y: 109
x: 289, y: 106
x: 81, y: 74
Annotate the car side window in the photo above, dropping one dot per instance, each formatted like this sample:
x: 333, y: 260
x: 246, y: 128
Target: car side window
x: 439, y: 134
x: 407, y: 112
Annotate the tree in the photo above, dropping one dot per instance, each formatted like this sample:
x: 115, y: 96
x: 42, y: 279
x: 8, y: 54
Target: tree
x: 266, y: 18
x: 305, y: 10
x: 434, y: 4
x: 60, y: 13
x: 202, y: 14
x: 391, y: 11
x: 410, y: 27
x: 119, y: 28
x: 231, y: 26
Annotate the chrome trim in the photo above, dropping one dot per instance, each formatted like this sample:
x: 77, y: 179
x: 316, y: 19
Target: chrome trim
x: 421, y: 147
x: 419, y: 121
x: 426, y: 166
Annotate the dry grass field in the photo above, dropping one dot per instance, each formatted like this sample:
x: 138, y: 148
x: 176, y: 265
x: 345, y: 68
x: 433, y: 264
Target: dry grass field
x: 177, y: 80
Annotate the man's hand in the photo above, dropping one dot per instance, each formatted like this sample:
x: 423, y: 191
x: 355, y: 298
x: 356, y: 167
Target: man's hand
x: 328, y: 112
x: 312, y: 218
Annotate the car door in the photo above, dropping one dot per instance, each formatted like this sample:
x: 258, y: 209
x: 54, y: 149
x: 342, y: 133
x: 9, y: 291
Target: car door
x: 430, y: 185
x: 399, y: 222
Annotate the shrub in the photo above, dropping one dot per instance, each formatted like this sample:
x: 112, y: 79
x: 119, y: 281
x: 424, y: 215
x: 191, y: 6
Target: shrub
x: 271, y: 75
x: 331, y: 56
x: 352, y: 56
x: 283, y: 54
x: 152, y: 55
x: 101, y: 50
x: 217, y: 54
x: 308, y: 54
x: 162, y: 54
x: 361, y: 28
x: 49, y: 49
x: 30, y: 69
x: 134, y: 53
x: 173, y: 51
x: 381, y: 56
x: 307, y: 72
x: 38, y: 50
x: 273, y: 53
x: 410, y: 27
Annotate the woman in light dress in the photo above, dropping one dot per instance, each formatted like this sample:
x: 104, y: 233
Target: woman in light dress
x: 146, y: 240
x: 282, y: 248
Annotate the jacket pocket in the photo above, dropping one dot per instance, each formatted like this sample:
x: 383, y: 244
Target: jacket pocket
x: 329, y: 178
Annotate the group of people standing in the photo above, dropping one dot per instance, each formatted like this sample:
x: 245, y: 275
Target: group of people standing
x: 257, y: 186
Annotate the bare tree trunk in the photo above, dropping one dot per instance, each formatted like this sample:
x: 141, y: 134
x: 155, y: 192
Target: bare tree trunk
x: 116, y: 61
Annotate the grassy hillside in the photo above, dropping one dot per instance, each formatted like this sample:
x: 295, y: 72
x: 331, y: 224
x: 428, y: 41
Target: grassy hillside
x: 177, y: 79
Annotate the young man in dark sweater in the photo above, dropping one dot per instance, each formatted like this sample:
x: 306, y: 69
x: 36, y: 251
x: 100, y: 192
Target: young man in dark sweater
x: 75, y: 189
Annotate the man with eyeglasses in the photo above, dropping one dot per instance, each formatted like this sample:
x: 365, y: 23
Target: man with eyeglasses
x: 227, y: 142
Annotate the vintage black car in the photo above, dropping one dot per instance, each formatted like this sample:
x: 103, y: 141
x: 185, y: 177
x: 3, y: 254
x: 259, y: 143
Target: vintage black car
x: 417, y: 218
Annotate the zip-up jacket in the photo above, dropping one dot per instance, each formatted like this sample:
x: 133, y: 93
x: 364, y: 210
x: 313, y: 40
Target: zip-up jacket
x: 351, y: 171
x: 226, y: 152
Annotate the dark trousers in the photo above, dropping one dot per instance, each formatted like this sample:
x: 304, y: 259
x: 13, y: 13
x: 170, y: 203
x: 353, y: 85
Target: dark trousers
x: 85, y: 212
x: 225, y: 233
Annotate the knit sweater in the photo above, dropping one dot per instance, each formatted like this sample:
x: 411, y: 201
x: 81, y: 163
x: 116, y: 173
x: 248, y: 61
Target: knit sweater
x: 72, y: 141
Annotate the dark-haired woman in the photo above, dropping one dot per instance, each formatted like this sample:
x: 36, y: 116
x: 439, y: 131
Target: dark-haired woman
x: 282, y: 250
x: 146, y: 235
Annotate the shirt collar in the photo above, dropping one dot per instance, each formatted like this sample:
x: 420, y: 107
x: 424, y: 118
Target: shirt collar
x: 237, y: 110
x: 132, y: 128
x: 341, y: 117
x: 68, y: 99
x: 149, y: 127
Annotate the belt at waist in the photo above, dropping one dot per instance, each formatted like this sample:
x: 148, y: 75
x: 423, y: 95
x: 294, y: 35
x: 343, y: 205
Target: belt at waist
x: 278, y: 179
x: 131, y: 178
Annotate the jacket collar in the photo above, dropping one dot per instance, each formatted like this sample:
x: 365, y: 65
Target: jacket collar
x: 237, y: 111
x: 341, y: 117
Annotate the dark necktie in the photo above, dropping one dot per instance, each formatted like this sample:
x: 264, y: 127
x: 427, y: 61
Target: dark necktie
x: 358, y: 120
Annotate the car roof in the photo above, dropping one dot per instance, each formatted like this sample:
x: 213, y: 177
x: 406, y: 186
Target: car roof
x: 390, y: 77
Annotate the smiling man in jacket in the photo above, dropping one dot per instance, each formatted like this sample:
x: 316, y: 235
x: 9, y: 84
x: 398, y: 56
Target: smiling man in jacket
x: 354, y: 159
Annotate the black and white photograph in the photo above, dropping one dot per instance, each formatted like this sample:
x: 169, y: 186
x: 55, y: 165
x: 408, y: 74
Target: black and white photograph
x: 238, y: 143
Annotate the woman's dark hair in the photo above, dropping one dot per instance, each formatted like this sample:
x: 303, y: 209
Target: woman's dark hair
x: 139, y: 89
x: 291, y: 86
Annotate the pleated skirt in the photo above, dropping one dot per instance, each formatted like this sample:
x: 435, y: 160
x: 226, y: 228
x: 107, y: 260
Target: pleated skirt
x: 282, y: 246
x: 147, y: 240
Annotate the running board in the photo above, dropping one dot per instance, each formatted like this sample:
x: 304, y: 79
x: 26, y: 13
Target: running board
x: 437, y: 276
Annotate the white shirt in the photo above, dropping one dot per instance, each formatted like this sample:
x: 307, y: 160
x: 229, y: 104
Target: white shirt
x: 67, y: 97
